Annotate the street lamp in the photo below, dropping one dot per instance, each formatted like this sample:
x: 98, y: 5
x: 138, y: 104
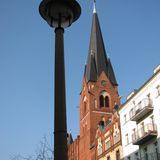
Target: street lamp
x: 60, y: 14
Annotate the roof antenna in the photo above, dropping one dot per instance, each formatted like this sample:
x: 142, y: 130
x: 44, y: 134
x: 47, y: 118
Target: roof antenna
x: 94, y: 6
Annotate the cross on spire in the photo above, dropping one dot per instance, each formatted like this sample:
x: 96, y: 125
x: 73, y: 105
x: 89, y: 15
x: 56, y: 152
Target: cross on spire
x: 94, y: 6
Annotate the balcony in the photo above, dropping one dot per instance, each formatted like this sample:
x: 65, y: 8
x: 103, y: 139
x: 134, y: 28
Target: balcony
x: 140, y: 110
x: 151, y: 156
x: 144, y: 134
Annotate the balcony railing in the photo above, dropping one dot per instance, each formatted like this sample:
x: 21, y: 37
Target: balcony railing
x: 151, y: 156
x: 141, y: 109
x: 144, y: 134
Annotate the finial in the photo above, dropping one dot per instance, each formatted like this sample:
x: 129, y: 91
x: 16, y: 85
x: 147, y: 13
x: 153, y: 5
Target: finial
x: 94, y: 6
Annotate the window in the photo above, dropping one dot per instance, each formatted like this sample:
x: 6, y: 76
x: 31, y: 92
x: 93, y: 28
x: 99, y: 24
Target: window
x: 99, y: 150
x: 106, y: 101
x: 99, y: 147
x: 108, y: 158
x: 149, y: 100
x: 134, y: 135
x: 125, y: 118
x: 116, y: 106
x: 116, y: 137
x: 108, y: 144
x: 84, y: 104
x: 117, y: 155
x: 156, y: 150
x: 95, y: 104
x: 158, y: 91
x: 136, y: 156
x: 145, y: 153
x: 127, y: 139
x: 85, y: 107
x: 131, y: 113
x: 102, y: 124
x: 129, y: 158
x: 101, y: 99
x: 142, y: 129
x: 83, y: 130
x: 139, y: 105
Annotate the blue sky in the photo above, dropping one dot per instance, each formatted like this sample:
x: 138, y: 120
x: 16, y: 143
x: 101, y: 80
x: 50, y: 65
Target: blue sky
x: 132, y: 39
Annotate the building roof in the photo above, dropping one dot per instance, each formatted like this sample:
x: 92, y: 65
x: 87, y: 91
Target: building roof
x: 98, y: 61
x: 138, y: 90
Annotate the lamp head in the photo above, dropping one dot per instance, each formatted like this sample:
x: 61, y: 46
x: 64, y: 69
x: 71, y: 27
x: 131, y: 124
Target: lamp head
x: 60, y: 13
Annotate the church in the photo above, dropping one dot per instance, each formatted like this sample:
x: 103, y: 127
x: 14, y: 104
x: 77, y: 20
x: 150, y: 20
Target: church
x: 100, y: 133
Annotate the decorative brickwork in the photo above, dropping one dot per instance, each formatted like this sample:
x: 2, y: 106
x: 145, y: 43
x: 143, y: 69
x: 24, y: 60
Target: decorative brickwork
x: 100, y: 134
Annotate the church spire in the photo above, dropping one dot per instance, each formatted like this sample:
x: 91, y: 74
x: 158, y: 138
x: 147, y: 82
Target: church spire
x: 97, y: 59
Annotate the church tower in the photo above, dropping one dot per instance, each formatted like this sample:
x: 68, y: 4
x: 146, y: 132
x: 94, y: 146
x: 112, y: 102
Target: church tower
x: 99, y: 94
x: 100, y: 135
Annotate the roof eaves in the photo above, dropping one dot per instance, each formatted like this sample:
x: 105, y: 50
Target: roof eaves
x: 154, y: 75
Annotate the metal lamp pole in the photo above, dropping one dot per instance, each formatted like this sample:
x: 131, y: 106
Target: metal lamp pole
x: 60, y: 14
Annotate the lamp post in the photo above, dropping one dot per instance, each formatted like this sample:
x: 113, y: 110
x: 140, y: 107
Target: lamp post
x: 60, y: 14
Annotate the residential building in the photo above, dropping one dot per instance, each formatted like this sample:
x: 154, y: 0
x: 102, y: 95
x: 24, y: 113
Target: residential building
x: 140, y: 121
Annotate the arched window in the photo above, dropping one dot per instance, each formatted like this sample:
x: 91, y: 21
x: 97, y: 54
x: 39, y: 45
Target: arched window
x: 117, y: 155
x: 107, y: 102
x: 101, y: 123
x: 95, y: 104
x: 85, y: 107
x: 104, y: 99
x: 101, y: 100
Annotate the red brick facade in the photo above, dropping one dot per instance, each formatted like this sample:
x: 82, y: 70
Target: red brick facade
x: 98, y: 121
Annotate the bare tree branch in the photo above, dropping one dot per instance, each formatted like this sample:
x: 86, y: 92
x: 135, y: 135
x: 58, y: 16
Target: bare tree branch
x: 44, y: 152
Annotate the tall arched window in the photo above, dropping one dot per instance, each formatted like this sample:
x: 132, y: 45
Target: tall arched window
x: 101, y: 123
x: 101, y: 99
x: 85, y: 107
x: 107, y: 102
x: 95, y: 104
x: 117, y: 155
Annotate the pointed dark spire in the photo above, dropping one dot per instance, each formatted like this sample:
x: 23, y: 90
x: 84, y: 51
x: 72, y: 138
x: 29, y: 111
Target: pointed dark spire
x: 97, y: 59
x: 69, y: 139
x: 111, y: 74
